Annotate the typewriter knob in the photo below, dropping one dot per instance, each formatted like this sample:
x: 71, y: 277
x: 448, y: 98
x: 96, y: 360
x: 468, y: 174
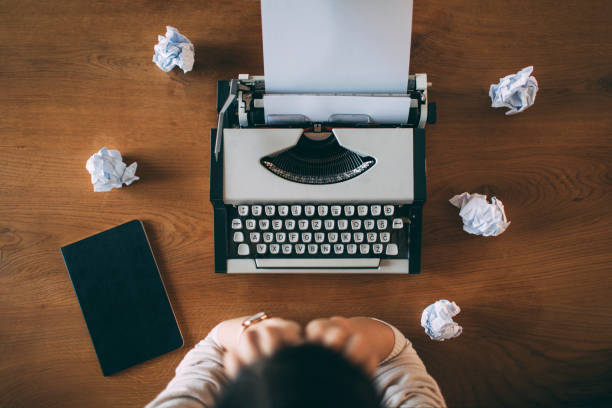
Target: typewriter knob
x: 432, y: 114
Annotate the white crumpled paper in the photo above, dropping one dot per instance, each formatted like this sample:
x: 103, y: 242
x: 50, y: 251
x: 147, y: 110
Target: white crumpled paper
x: 108, y: 170
x: 437, y: 320
x: 479, y: 216
x: 172, y: 50
x: 516, y: 91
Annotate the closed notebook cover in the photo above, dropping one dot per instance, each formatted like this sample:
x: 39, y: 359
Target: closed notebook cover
x: 122, y: 297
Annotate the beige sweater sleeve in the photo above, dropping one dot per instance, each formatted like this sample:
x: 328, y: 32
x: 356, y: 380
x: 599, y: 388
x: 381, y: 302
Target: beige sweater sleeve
x: 401, y: 378
x: 199, y: 378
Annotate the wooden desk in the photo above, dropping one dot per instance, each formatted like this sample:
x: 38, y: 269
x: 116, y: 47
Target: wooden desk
x: 536, y: 301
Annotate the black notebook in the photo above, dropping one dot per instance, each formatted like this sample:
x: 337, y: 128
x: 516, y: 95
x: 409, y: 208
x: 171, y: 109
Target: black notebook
x: 122, y: 297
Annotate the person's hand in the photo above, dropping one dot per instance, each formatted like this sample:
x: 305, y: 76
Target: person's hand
x: 259, y: 340
x: 340, y: 334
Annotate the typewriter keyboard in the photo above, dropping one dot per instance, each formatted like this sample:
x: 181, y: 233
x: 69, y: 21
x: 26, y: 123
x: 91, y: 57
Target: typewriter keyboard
x: 318, y: 230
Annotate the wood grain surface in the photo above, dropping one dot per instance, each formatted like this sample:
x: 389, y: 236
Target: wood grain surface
x: 536, y: 301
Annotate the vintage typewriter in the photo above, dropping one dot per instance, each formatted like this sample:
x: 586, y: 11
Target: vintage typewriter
x: 320, y: 180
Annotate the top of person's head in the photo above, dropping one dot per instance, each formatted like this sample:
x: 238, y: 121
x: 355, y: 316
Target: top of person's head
x: 303, y: 376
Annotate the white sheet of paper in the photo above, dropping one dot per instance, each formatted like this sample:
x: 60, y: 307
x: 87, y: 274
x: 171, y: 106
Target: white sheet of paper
x: 437, y: 320
x: 318, y: 108
x: 479, y: 216
x: 108, y: 170
x: 343, y: 46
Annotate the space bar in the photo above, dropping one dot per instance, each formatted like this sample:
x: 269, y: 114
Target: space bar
x: 317, y: 262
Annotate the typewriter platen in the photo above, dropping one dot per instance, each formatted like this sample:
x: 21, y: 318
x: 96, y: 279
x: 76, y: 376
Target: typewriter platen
x: 321, y: 182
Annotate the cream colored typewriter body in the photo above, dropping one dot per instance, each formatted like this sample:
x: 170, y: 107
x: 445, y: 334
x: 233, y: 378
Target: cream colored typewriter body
x: 319, y: 167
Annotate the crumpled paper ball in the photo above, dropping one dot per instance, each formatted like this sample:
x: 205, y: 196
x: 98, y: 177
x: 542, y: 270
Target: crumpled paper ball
x: 437, y: 320
x: 108, y: 170
x: 516, y: 91
x: 173, y: 49
x: 479, y: 216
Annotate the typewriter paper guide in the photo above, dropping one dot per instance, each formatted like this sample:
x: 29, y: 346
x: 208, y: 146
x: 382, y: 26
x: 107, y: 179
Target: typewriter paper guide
x: 389, y: 180
x: 318, y: 108
x: 339, y: 46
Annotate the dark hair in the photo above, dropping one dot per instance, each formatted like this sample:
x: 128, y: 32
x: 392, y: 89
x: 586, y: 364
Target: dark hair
x: 303, y: 376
